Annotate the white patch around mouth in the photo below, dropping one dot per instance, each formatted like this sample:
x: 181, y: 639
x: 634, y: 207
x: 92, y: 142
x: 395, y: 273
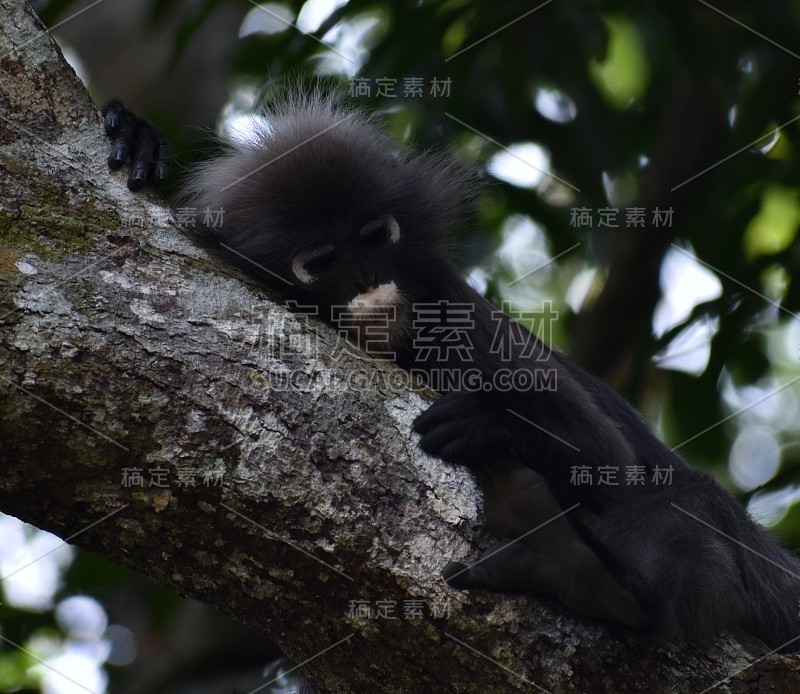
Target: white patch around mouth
x: 377, y: 319
x: 375, y: 300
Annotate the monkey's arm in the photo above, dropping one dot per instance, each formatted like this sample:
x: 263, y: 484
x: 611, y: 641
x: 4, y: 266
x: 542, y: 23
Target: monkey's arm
x: 554, y: 433
x: 137, y: 141
x: 683, y: 549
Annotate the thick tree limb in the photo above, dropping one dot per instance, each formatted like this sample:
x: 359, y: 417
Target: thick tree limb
x: 125, y: 347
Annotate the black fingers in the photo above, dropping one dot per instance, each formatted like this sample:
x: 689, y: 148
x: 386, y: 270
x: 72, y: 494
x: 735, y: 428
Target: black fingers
x: 135, y: 140
x: 111, y: 116
x: 163, y: 155
x: 506, y: 567
x: 143, y: 155
x: 462, y: 577
x: 120, y: 125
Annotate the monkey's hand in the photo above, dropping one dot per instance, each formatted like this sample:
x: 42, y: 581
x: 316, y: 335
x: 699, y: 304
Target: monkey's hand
x: 137, y: 141
x: 467, y: 428
x: 547, y: 434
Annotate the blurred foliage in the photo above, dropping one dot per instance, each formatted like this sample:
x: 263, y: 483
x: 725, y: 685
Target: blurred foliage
x: 685, y: 105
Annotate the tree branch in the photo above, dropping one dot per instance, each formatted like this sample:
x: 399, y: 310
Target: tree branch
x: 128, y: 355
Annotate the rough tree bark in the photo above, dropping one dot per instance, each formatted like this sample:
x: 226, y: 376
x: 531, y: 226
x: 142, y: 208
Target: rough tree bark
x: 125, y: 347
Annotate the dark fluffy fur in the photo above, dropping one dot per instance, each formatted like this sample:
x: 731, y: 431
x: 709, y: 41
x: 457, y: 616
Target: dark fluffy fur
x: 314, y: 164
x: 633, y: 554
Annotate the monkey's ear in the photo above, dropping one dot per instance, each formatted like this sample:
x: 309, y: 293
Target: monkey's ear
x: 137, y: 141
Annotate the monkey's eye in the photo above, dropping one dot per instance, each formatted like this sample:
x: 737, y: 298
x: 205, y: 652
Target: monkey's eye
x: 307, y: 265
x: 384, y: 230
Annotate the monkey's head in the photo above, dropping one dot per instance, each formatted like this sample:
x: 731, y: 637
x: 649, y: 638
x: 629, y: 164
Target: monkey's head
x: 333, y: 213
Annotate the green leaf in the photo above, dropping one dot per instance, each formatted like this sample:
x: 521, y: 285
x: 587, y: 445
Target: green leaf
x: 774, y: 227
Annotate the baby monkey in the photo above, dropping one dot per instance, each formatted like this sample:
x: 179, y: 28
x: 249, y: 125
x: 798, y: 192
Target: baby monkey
x: 331, y: 212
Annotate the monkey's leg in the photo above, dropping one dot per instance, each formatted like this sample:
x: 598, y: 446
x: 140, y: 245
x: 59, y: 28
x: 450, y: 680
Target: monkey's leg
x: 541, y: 552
